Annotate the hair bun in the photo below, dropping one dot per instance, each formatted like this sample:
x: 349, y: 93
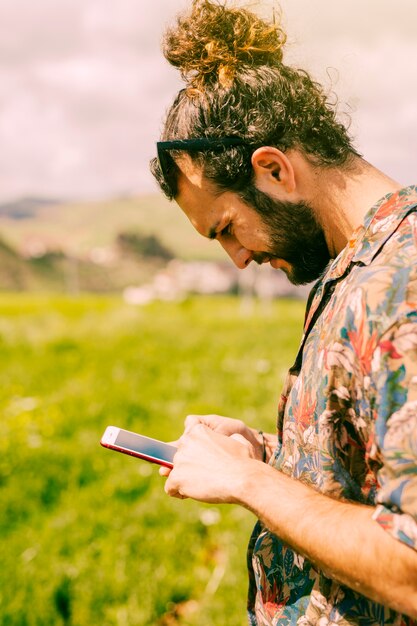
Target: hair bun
x: 212, y: 42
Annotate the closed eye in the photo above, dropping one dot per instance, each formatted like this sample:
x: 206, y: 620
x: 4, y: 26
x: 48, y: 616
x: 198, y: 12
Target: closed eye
x: 227, y: 230
x: 224, y: 232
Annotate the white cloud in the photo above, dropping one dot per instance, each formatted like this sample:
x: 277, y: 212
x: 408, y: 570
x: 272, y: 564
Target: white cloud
x: 84, y: 87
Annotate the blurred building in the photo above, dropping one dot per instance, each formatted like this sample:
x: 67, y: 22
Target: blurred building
x: 181, y: 278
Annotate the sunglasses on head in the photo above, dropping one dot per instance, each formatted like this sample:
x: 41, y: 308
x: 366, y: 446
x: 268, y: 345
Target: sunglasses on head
x: 202, y: 144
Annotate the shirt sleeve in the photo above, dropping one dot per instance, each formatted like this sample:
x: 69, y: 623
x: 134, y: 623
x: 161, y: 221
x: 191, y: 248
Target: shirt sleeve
x: 394, y: 385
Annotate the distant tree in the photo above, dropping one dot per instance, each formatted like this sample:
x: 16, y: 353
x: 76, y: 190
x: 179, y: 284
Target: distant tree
x: 143, y: 246
x: 47, y: 259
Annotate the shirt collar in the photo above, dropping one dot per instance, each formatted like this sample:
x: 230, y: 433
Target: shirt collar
x: 381, y: 221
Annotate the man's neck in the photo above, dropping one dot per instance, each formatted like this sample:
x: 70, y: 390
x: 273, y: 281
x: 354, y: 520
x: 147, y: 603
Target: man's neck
x: 343, y: 196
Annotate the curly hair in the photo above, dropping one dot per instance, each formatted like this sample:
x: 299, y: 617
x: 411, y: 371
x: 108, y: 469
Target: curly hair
x: 237, y: 85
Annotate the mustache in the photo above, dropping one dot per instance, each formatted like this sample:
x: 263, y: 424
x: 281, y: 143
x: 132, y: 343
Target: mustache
x: 261, y: 257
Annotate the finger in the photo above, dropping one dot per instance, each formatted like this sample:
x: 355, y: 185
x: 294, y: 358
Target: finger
x: 190, y: 421
x: 164, y: 471
x: 195, y: 431
x: 241, y: 439
x: 172, y: 490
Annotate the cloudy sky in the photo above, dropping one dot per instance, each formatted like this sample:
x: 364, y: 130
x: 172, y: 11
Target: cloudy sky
x: 83, y: 86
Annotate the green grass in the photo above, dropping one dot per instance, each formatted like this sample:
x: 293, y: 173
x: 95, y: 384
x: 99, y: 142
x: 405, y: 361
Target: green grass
x: 88, y: 536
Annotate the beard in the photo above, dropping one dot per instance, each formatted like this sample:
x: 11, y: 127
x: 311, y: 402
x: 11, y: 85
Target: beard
x: 295, y: 235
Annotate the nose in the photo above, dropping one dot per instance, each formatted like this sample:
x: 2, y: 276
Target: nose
x: 240, y: 255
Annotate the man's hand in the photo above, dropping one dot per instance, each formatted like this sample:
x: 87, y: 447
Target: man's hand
x: 231, y: 428
x: 207, y: 466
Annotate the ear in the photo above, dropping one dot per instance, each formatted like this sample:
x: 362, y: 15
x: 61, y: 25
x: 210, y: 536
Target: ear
x: 273, y: 170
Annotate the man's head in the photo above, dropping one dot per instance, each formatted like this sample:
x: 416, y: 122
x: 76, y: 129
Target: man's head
x: 238, y: 87
x: 268, y: 222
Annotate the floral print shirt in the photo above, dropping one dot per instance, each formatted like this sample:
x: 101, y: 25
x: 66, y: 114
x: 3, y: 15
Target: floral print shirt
x: 347, y: 419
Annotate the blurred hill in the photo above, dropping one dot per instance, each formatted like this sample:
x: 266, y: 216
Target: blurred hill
x: 79, y: 227
x: 58, y: 271
x: 12, y: 268
x: 24, y: 207
x: 93, y: 246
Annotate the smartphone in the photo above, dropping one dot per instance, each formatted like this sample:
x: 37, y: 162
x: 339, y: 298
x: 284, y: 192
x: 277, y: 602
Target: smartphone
x: 140, y: 446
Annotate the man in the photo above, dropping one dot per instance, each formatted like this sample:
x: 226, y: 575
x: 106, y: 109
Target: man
x: 254, y: 155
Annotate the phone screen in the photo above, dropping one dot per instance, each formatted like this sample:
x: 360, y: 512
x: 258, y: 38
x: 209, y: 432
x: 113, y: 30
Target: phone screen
x: 144, y: 445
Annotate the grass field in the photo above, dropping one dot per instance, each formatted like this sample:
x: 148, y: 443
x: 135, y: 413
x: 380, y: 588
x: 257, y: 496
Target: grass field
x: 88, y: 536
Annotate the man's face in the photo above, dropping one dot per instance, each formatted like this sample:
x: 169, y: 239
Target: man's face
x: 255, y: 227
x: 295, y: 234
